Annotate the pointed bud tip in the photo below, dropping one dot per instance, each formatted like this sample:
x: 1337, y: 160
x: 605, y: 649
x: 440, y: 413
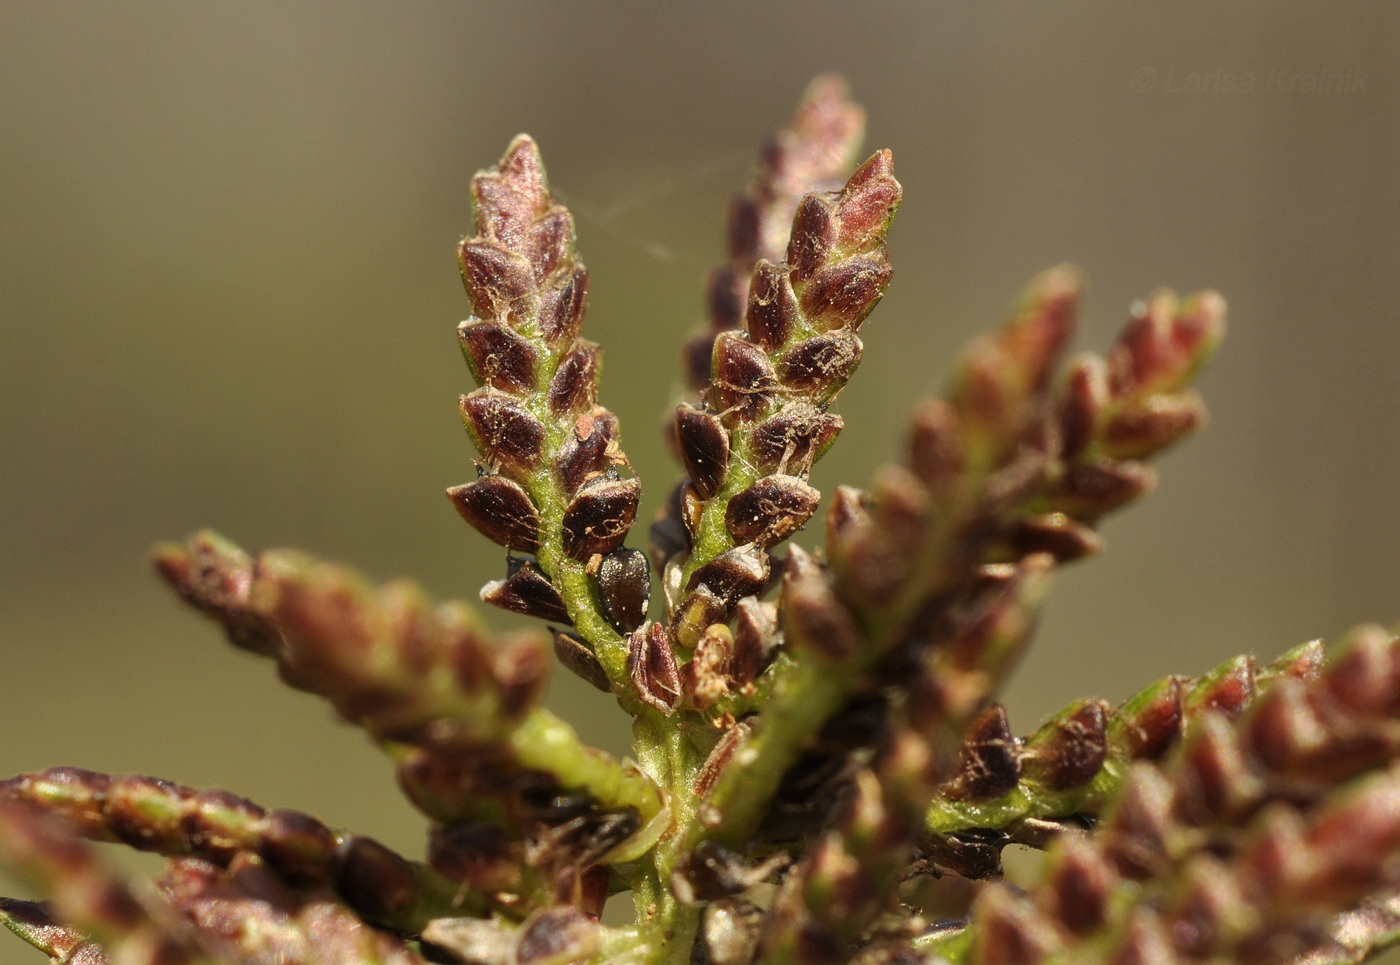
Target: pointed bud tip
x: 878, y: 165
x: 522, y: 158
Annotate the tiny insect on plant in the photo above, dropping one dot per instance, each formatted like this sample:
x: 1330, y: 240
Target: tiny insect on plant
x: 822, y: 773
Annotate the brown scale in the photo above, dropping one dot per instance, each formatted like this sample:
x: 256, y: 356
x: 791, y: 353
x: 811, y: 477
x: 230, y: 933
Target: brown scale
x: 526, y: 590
x: 576, y: 656
x: 600, y: 516
x: 500, y: 509
x: 770, y: 510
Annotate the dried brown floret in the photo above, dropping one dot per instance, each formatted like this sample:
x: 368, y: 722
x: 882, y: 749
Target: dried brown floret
x: 651, y: 663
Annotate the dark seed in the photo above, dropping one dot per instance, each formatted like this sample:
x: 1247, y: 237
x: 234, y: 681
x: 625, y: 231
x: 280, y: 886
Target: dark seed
x: 844, y: 293
x: 507, y: 434
x: 1081, y: 886
x: 218, y: 824
x: 593, y: 888
x: 668, y: 535
x: 584, y: 453
x: 936, y: 446
x: 989, y: 763
x: 846, y: 513
x: 1069, y: 751
x: 520, y: 667
x: 772, y: 309
x: 743, y: 378
x: 1361, y: 677
x: 1056, y: 534
x: 868, y: 200
x: 500, y: 510
x: 374, y: 880
x: 509, y: 197
x: 736, y: 573
x: 527, y: 591
x: 574, y: 655
x: 599, y: 517
x: 497, y: 355
x: 1227, y: 689
x: 755, y: 639
x: 575, y: 383
x: 461, y: 651
x: 1142, y: 823
x: 745, y: 227
x: 624, y: 588
x: 476, y: 854
x: 1089, y: 490
x: 794, y: 438
x: 562, y: 306
x: 72, y: 794
x: 1150, y: 723
x: 1282, y: 727
x: 821, y: 365
x: 503, y: 208
x: 498, y: 281
x: 297, y: 846
x: 771, y: 510
x: 813, y: 617
x: 813, y: 234
x: 704, y: 449
x: 555, y: 936
x: 547, y: 243
x: 697, y: 356
x: 1144, y: 430
x: 725, y: 298
x: 1083, y: 397
x: 146, y: 813
x: 1212, y: 776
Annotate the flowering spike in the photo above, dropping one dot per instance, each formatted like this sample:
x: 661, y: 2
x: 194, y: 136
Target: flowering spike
x: 535, y: 419
x: 770, y: 383
x: 423, y: 677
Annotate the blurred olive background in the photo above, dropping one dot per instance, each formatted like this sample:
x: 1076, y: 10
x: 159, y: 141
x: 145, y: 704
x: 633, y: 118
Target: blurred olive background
x: 229, y: 300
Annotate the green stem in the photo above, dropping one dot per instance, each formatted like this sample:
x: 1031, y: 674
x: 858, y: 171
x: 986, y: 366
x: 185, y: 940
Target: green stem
x: 672, y: 762
x: 803, y: 699
x: 545, y: 742
x: 712, y: 537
